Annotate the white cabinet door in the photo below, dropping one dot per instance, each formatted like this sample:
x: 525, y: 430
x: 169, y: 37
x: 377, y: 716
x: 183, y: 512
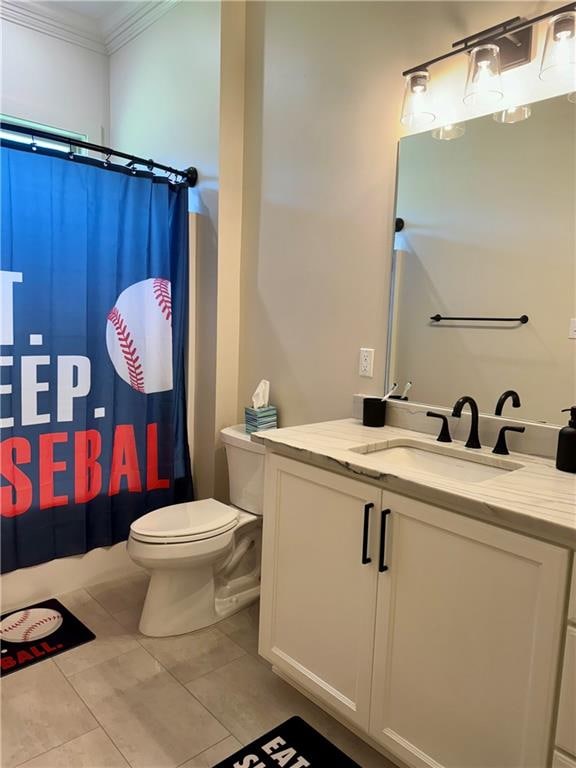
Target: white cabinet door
x: 562, y: 761
x: 318, y: 598
x: 572, y: 605
x: 566, y: 731
x: 467, y: 642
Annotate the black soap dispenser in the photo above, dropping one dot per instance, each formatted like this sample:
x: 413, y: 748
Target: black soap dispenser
x: 566, y: 454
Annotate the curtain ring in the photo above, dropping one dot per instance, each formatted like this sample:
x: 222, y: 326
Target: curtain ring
x: 106, y: 161
x: 34, y: 146
x: 71, y: 155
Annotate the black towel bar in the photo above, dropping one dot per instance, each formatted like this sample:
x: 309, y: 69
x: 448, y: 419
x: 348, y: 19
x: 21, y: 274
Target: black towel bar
x: 522, y: 319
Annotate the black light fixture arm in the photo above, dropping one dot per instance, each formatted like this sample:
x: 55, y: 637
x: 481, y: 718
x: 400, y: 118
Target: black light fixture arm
x: 492, y: 34
x: 188, y: 175
x: 499, y: 29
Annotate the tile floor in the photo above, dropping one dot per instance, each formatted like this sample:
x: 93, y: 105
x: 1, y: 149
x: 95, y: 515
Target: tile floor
x: 128, y: 700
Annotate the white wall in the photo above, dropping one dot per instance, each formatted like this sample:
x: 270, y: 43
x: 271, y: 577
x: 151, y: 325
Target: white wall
x: 324, y: 94
x: 164, y: 93
x: 490, y: 231
x: 53, y: 82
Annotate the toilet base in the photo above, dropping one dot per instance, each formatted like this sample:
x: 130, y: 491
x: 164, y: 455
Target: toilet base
x: 179, y: 601
x: 230, y: 605
x: 197, y: 583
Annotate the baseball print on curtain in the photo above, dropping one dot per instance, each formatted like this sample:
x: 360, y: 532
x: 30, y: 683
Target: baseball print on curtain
x: 93, y: 319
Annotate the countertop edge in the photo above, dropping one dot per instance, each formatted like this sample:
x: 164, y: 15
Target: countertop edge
x: 501, y: 516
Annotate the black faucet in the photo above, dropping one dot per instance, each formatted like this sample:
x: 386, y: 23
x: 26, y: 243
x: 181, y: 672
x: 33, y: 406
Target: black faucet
x: 473, y: 438
x: 510, y: 393
x: 444, y: 436
x: 501, y: 448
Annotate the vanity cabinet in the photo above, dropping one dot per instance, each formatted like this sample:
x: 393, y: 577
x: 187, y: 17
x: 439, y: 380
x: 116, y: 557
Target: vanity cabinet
x: 318, y: 598
x: 566, y: 732
x: 572, y: 604
x: 468, y: 634
x: 447, y: 659
x: 563, y: 761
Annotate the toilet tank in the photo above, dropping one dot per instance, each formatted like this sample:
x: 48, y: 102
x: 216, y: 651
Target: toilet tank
x: 245, y: 469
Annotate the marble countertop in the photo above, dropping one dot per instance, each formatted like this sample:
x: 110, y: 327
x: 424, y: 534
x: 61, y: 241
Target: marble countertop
x: 537, y: 499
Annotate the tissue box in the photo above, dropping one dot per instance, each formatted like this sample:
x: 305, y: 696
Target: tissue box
x: 257, y: 419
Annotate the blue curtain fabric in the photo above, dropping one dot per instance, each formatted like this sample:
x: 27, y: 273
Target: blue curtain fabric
x: 93, y: 319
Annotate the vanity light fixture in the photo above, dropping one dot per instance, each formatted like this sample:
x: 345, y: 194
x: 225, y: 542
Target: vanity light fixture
x: 484, y: 84
x: 494, y: 50
x: 513, y: 114
x: 449, y: 132
x: 559, y: 59
x: 417, y: 111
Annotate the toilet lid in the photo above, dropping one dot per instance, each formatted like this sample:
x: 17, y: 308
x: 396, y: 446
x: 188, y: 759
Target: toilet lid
x: 185, y: 522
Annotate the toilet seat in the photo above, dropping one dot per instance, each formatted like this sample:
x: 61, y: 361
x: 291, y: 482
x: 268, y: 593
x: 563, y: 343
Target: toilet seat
x: 186, y: 522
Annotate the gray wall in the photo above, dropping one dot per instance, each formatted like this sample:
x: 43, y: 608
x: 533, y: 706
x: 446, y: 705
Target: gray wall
x: 324, y: 90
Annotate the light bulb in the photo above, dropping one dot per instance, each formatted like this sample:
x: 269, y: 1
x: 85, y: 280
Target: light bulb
x: 513, y: 114
x: 417, y: 111
x: 449, y: 132
x: 559, y: 58
x: 483, y: 85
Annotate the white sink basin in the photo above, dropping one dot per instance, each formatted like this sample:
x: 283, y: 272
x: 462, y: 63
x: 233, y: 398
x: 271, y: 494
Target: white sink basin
x: 449, y: 463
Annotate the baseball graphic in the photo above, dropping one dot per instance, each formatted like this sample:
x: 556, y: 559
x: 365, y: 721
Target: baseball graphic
x: 139, y: 335
x: 30, y: 624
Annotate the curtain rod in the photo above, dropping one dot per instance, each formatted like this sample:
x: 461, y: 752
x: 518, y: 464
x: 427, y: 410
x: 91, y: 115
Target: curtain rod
x: 188, y: 175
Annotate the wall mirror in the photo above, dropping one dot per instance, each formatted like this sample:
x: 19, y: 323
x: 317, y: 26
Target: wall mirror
x: 489, y: 233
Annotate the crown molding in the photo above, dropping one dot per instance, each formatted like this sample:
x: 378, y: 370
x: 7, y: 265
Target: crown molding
x: 119, y: 29
x: 123, y: 27
x: 53, y: 23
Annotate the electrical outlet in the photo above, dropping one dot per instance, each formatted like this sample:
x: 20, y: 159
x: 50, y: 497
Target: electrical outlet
x: 366, y: 367
x: 572, y: 329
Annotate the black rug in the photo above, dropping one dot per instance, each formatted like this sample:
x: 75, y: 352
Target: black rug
x: 293, y: 744
x: 38, y: 632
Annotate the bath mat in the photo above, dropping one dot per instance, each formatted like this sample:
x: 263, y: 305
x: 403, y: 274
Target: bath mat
x: 38, y: 632
x: 293, y: 744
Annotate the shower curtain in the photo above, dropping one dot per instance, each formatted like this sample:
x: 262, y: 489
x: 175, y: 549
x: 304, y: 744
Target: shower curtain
x: 93, y: 318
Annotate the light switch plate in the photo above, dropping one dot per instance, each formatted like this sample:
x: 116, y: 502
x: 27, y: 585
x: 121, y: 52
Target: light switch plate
x: 572, y: 330
x: 366, y: 367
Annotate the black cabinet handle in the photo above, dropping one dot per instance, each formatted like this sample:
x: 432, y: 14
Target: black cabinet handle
x: 365, y: 558
x: 381, y: 566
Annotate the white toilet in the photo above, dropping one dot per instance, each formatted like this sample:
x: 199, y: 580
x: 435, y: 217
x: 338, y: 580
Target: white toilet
x: 204, y: 556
